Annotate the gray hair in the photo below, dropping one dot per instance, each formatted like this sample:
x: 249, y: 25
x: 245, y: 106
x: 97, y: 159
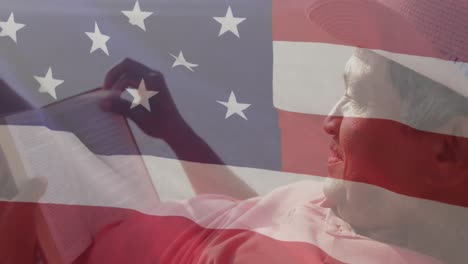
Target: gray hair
x: 427, y: 104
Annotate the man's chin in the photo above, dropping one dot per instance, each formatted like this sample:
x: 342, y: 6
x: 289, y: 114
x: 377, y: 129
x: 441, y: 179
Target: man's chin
x: 336, y: 199
x: 334, y: 191
x: 334, y: 187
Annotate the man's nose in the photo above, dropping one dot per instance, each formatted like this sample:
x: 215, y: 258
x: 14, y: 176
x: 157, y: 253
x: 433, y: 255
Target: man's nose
x: 332, y: 122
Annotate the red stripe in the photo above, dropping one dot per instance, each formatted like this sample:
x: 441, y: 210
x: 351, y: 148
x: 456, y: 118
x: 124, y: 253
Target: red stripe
x: 306, y: 150
x: 171, y: 239
x: 304, y: 145
x: 141, y: 238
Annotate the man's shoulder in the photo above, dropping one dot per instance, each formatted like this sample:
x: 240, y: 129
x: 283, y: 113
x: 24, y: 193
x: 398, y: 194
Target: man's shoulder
x: 301, y: 192
x: 297, y: 192
x: 219, y: 229
x: 217, y: 211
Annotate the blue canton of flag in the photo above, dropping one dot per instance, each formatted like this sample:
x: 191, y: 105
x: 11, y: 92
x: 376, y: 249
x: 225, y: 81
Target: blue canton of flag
x: 216, y: 58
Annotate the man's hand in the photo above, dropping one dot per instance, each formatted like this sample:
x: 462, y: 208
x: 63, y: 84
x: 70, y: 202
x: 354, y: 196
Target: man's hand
x: 18, y: 236
x: 11, y: 102
x: 163, y: 120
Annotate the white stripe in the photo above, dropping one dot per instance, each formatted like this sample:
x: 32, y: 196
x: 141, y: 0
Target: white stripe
x: 78, y: 176
x: 172, y: 183
x: 451, y: 74
x: 307, y: 76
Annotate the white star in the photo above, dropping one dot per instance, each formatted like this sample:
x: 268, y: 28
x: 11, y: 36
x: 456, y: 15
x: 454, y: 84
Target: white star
x: 99, y: 39
x: 233, y: 107
x: 229, y: 23
x: 137, y: 17
x: 10, y: 27
x: 48, y: 83
x: 181, y: 61
x: 141, y: 96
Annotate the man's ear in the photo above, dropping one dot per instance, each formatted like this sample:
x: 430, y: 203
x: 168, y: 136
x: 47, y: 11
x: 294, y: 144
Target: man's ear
x: 451, y: 152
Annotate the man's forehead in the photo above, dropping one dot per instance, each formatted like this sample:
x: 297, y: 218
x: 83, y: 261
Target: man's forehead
x: 364, y: 62
x: 367, y: 78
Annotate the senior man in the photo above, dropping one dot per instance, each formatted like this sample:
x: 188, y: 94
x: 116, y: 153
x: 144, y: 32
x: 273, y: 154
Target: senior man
x: 398, y: 166
x: 350, y: 221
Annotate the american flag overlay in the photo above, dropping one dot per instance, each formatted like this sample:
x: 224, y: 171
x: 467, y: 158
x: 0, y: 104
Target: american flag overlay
x: 79, y: 47
x: 266, y: 131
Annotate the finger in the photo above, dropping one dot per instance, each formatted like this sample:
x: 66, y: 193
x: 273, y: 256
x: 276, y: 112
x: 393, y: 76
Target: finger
x: 116, y: 105
x: 121, y: 106
x: 154, y: 81
x: 124, y: 107
x: 126, y: 81
x: 32, y: 190
x: 115, y: 102
x: 113, y: 95
x: 126, y: 66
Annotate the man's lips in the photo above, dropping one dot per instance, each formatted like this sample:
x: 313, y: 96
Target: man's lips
x: 334, y: 185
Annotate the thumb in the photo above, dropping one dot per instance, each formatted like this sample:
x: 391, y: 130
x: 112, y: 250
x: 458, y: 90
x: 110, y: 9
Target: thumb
x: 119, y: 105
x: 32, y: 190
x: 18, y: 223
x: 115, y: 104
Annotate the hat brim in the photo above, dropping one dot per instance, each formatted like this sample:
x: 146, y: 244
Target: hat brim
x: 392, y: 29
x: 371, y: 24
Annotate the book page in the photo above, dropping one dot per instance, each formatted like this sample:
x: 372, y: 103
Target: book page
x: 89, y: 158
x: 10, y: 165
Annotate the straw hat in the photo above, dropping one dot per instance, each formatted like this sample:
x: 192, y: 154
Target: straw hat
x: 427, y: 36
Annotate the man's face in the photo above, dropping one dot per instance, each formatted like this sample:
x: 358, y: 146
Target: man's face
x: 370, y: 146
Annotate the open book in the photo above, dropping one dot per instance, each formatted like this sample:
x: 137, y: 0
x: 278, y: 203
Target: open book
x: 89, y: 158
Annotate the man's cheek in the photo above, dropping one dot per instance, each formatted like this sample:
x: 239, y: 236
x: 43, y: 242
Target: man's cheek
x: 363, y: 163
x: 371, y: 141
